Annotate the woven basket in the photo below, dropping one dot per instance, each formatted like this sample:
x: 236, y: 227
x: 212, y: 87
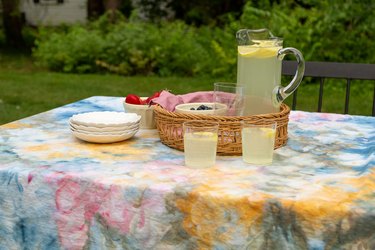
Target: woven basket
x: 169, y: 125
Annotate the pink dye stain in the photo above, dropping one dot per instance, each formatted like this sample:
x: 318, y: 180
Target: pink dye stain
x: 29, y: 178
x: 83, y: 200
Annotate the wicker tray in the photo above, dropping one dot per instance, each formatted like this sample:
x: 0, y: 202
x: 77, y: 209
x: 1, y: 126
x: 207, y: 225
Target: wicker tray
x: 169, y: 125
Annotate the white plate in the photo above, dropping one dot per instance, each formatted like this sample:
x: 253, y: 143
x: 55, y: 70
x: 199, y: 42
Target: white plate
x: 105, y: 119
x: 103, y: 138
x: 104, y: 129
x: 128, y: 131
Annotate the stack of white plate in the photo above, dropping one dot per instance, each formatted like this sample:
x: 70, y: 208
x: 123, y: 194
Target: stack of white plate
x: 104, y: 127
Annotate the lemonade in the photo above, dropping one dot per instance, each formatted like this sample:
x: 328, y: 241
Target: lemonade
x: 200, y: 149
x: 259, y: 70
x: 257, y: 144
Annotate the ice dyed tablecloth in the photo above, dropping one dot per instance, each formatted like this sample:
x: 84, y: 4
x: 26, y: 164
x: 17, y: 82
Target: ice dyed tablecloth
x: 57, y: 192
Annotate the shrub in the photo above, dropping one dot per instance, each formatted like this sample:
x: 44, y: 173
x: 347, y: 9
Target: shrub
x: 74, y: 51
x: 323, y: 30
x: 132, y: 47
x: 127, y: 48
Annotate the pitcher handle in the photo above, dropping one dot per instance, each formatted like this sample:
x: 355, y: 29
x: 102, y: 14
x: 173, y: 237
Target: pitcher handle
x: 280, y: 93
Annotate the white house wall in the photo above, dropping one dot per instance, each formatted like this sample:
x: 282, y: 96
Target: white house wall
x: 49, y: 12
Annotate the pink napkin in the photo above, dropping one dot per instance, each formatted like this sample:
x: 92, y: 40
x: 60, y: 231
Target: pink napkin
x: 169, y: 101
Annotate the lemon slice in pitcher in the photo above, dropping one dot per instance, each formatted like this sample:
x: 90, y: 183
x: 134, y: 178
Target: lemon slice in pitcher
x: 257, y: 51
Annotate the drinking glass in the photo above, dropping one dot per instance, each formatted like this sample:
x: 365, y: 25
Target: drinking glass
x: 200, y: 143
x: 258, y: 142
x: 228, y: 99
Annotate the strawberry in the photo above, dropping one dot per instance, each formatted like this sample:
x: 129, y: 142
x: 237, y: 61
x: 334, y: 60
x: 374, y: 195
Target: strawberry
x: 133, y: 99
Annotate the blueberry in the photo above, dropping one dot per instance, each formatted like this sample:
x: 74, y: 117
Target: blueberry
x: 204, y: 107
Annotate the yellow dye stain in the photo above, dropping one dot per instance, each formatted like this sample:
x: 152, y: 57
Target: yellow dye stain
x: 51, y: 151
x: 229, y: 181
x: 38, y: 148
x: 365, y: 185
x: 121, y: 181
x: 205, y: 212
x: 115, y: 150
x: 328, y: 204
x: 56, y: 155
x: 332, y: 203
x: 16, y: 125
x: 206, y: 215
x: 118, y: 151
x: 149, y: 134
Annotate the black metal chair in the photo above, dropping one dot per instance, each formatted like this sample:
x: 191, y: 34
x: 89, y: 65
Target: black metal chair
x: 323, y: 70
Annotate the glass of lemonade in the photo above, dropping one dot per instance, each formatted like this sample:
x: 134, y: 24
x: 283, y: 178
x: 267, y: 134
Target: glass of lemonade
x: 200, y: 143
x: 228, y: 99
x: 258, y: 142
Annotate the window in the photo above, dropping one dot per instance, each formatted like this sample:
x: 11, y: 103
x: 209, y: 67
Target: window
x: 48, y: 2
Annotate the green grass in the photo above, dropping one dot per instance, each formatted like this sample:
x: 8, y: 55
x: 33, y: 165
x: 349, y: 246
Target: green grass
x: 30, y: 93
x: 26, y: 89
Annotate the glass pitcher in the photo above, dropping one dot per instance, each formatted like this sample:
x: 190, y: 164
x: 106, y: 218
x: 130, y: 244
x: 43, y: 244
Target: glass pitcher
x: 260, y: 56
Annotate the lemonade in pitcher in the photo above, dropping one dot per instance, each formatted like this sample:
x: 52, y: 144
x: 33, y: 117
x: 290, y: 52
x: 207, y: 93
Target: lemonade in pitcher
x: 260, y: 56
x: 259, y: 66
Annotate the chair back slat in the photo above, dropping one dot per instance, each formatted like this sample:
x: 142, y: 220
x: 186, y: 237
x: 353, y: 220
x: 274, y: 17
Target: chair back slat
x: 347, y: 95
x: 322, y: 70
x: 294, y: 102
x: 358, y: 71
x: 321, y: 88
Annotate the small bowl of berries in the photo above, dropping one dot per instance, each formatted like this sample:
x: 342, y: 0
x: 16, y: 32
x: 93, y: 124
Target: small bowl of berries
x: 201, y: 108
x: 142, y: 106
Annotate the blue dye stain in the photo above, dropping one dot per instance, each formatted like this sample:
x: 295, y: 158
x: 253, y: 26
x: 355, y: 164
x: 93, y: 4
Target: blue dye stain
x: 26, y: 234
x: 227, y: 215
x: 315, y: 244
x: 19, y: 231
x: 364, y: 169
x: 362, y: 146
x: 8, y: 178
x: 9, y: 152
x: 132, y: 193
x: 364, y: 120
x: 72, y: 164
x: 19, y: 185
x: 327, y: 170
x: 306, y: 133
x: 51, y: 243
x: 296, y: 146
x: 221, y: 230
x: 220, y: 247
x: 132, y: 243
x: 365, y: 140
x: 86, y: 105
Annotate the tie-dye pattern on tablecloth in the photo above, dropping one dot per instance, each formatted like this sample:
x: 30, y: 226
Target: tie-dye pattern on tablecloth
x: 57, y: 192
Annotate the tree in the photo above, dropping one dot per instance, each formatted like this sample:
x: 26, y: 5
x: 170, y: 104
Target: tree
x: 13, y: 23
x: 95, y: 9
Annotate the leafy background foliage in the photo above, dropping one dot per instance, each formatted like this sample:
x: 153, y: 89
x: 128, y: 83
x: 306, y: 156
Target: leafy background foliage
x: 204, y: 45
